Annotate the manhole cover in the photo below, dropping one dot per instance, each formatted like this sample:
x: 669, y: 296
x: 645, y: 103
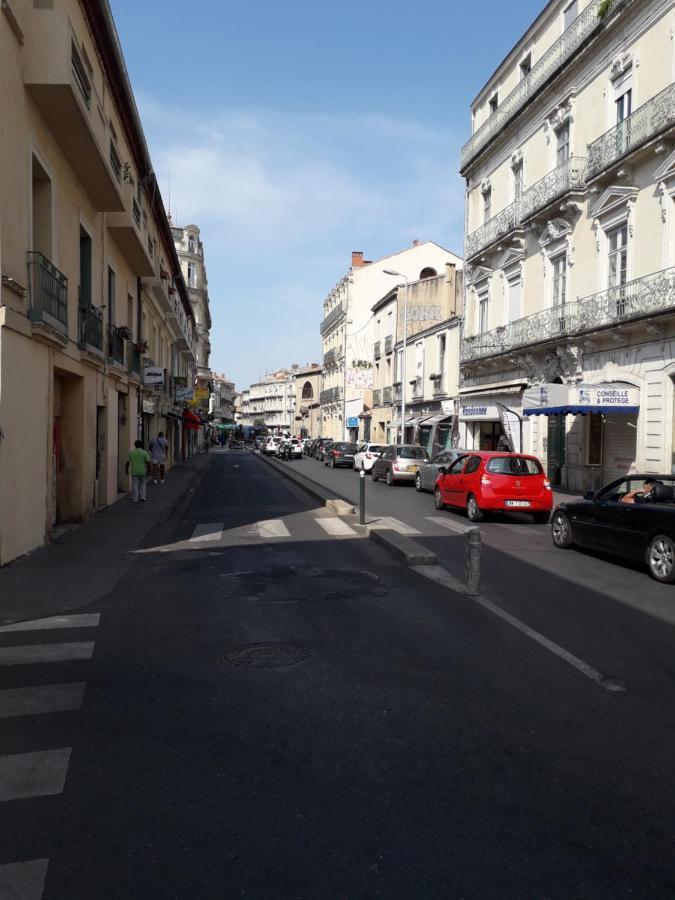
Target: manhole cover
x: 266, y: 655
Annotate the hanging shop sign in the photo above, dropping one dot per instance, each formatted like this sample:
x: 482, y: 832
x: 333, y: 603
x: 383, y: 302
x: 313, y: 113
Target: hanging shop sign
x: 184, y: 394
x: 150, y: 405
x: 153, y: 375
x: 581, y: 399
x: 353, y: 422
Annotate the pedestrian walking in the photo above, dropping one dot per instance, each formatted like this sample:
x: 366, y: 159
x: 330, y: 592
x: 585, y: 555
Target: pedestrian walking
x: 139, y: 464
x: 158, y: 447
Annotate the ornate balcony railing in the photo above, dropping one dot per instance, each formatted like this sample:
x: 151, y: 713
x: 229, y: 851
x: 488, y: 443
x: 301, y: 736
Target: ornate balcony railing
x: 386, y: 395
x: 331, y: 318
x: 553, y: 59
x: 48, y: 292
x: 377, y: 350
x: 493, y: 230
x: 115, y: 345
x: 330, y: 395
x: 388, y: 343
x: 645, y: 296
x: 397, y: 392
x: 648, y: 121
x: 377, y: 397
x: 330, y: 358
x: 91, y: 327
x: 567, y: 177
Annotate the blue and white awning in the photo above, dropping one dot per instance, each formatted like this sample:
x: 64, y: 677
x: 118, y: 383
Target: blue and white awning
x: 581, y: 399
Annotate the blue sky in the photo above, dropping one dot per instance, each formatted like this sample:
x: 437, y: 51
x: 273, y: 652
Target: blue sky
x: 298, y: 131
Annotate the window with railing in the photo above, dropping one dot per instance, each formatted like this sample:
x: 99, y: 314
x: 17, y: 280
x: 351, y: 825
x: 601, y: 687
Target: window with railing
x: 80, y: 74
x: 115, y: 162
x: 48, y: 292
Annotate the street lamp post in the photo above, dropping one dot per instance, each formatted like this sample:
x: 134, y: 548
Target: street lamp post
x: 405, y: 334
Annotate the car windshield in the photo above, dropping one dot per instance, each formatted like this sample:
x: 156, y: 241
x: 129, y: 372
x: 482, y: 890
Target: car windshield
x: 514, y: 465
x: 411, y: 453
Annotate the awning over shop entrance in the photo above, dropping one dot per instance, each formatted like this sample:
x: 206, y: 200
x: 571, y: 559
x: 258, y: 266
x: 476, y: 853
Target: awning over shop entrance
x: 191, y: 420
x: 434, y: 420
x: 581, y: 399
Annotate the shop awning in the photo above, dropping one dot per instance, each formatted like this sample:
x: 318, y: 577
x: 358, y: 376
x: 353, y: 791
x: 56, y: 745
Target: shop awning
x: 191, y: 420
x: 581, y: 399
x: 434, y: 420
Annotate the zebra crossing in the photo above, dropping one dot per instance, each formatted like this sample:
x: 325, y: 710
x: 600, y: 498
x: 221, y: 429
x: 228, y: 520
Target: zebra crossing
x: 37, y: 772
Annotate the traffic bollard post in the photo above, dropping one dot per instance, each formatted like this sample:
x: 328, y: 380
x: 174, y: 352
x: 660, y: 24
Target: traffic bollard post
x: 472, y: 551
x: 362, y: 497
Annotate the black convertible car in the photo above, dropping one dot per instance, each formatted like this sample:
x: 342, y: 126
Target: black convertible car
x: 633, y: 517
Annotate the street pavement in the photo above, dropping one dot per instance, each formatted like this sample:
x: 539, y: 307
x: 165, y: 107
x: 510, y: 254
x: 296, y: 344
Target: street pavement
x: 267, y: 705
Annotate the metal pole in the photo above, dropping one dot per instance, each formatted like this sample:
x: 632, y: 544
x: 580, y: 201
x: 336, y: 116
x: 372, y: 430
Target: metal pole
x: 362, y: 496
x: 403, y: 358
x: 472, y: 551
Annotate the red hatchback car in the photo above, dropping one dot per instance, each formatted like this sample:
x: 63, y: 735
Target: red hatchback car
x: 483, y: 482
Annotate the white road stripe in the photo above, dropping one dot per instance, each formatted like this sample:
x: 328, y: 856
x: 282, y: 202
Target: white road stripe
x: 23, y: 880
x: 210, y: 531
x: 33, y: 774
x: 395, y: 525
x: 86, y: 620
x: 48, y: 698
x: 45, y: 653
x: 336, y: 527
x: 450, y: 524
x: 272, y: 528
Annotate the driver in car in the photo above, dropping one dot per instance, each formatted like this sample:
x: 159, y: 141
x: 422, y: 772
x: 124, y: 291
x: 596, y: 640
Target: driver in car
x: 642, y: 495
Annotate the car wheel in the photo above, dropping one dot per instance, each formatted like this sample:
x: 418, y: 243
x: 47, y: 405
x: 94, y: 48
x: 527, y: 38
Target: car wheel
x: 661, y: 559
x: 389, y: 479
x: 373, y: 475
x: 541, y: 518
x: 438, y: 499
x: 418, y: 482
x: 473, y: 512
x: 561, y: 530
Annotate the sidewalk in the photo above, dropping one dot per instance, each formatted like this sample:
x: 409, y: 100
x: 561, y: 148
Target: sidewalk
x: 86, y: 562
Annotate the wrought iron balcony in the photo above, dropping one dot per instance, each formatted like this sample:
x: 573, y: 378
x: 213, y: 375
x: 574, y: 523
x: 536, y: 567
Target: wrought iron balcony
x: 330, y: 395
x: 48, y: 293
x: 377, y: 350
x: 645, y: 296
x: 387, y: 395
x: 115, y: 345
x: 330, y: 358
x: 91, y: 328
x: 331, y: 318
x: 388, y: 343
x: 494, y: 229
x: 558, y: 54
x: 377, y: 397
x: 646, y: 123
x: 417, y: 389
x: 570, y: 176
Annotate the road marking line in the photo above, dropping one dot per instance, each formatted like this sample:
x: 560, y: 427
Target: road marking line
x: 211, y: 531
x: 48, y: 698
x: 395, y: 525
x: 45, y: 653
x: 272, y: 528
x: 87, y: 620
x: 450, y: 524
x: 442, y: 576
x: 23, y: 880
x: 38, y: 774
x: 336, y: 527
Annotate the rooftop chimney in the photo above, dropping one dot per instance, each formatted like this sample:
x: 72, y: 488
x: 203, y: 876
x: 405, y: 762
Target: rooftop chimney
x: 416, y: 243
x: 357, y: 259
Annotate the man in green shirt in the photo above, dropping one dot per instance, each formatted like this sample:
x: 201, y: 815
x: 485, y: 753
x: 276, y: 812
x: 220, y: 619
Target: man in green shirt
x: 139, y: 464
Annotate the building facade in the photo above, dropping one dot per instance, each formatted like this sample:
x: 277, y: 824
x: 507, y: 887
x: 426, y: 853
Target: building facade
x: 95, y: 319
x: 347, y: 333
x: 221, y: 403
x: 570, y: 246
x: 308, y: 386
x: 272, y: 402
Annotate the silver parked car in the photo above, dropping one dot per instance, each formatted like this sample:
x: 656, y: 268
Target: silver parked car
x: 399, y: 462
x: 427, y: 475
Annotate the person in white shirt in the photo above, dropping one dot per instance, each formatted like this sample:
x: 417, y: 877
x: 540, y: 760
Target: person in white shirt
x: 158, y: 447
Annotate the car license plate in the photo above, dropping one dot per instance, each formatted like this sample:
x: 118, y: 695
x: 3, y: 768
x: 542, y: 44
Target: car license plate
x: 413, y: 468
x: 516, y: 503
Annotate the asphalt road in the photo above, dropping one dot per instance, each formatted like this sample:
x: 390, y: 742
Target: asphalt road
x: 272, y: 711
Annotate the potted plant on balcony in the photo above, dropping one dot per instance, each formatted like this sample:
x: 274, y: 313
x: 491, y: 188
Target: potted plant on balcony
x: 124, y: 333
x: 604, y: 8
x: 141, y: 346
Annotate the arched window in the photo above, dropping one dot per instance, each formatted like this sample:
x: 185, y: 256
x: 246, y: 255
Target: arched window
x: 307, y: 392
x: 428, y: 273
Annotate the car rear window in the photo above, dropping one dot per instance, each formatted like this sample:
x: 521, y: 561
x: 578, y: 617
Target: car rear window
x: 514, y: 465
x: 375, y: 448
x: 412, y: 453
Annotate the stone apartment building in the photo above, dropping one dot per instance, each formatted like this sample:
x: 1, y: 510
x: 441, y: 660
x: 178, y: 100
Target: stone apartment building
x: 308, y: 384
x: 95, y: 318
x: 221, y: 402
x: 272, y: 402
x: 570, y: 246
x: 347, y: 333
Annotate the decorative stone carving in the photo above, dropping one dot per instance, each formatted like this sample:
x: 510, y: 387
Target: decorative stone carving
x: 516, y: 159
x: 485, y: 186
x: 562, y: 114
x: 555, y: 230
x: 620, y: 64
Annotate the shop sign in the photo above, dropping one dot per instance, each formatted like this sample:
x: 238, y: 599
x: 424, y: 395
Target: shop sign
x: 184, y: 394
x: 360, y: 378
x: 150, y: 405
x: 604, y: 395
x: 353, y: 422
x: 478, y: 410
x: 201, y: 394
x: 153, y: 375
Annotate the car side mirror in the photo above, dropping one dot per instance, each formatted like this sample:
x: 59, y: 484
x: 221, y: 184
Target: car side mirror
x: 442, y: 470
x: 589, y: 495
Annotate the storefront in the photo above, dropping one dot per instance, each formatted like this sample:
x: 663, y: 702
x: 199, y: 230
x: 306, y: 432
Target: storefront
x: 592, y: 431
x: 436, y: 433
x: 480, y: 425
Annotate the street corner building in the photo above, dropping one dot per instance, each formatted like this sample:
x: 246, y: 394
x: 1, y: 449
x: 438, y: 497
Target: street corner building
x: 570, y: 245
x: 95, y: 317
